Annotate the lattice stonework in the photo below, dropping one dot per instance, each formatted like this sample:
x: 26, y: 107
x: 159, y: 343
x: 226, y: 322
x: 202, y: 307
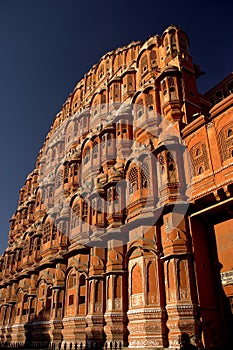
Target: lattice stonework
x: 199, y: 158
x: 145, y: 175
x: 133, y: 180
x: 149, y: 100
x: 226, y: 141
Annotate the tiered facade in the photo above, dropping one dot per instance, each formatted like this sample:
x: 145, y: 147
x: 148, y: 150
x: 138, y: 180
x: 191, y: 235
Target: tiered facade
x: 123, y: 231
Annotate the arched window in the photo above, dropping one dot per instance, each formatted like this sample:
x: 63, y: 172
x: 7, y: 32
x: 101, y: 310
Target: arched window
x: 58, y: 181
x: 66, y: 173
x: 200, y: 170
x: 71, y: 290
x: 136, y: 280
x: 153, y: 59
x: 144, y: 65
x: 171, y: 84
x: 95, y: 150
x: 101, y: 71
x: 173, y: 42
x: 48, y: 302
x: 82, y: 291
x: 172, y: 175
x: 130, y: 85
x: 229, y: 133
x: 151, y: 283
x: 139, y: 109
x: 75, y: 169
x: 166, y: 44
x: 133, y: 180
x: 98, y: 292
x: 85, y: 211
x: 103, y: 139
x: 116, y: 91
x: 109, y: 140
x: 149, y: 101
x: 75, y: 216
x: 103, y: 99
x: 199, y: 158
x: 76, y: 128
x: 164, y: 87
x: 145, y: 175
x: 72, y: 280
x: 46, y: 232
x: 86, y: 155
x: 117, y: 287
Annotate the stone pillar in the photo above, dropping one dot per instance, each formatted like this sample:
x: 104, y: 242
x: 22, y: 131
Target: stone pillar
x: 56, y: 324
x: 146, y: 312
x: 181, y: 298
x: 9, y: 324
x: 96, y: 298
x: 116, y: 298
x: 3, y: 330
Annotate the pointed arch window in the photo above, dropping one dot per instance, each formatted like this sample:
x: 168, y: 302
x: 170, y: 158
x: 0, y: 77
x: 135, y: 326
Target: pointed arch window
x: 199, y: 158
x: 145, y: 175
x: 153, y: 59
x: 46, y: 232
x: 66, y: 173
x: 75, y: 216
x: 85, y: 211
x: 133, y: 180
x: 86, y: 156
x: 82, y: 290
x: 95, y: 150
x: 136, y: 279
x: 144, y: 65
x: 139, y: 109
x: 173, y: 42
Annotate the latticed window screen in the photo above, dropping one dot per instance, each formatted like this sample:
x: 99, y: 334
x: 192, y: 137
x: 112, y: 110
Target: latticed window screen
x: 85, y: 211
x: 153, y: 59
x: 171, y: 83
x: 95, y: 149
x: 133, y: 180
x: 58, y: 179
x: 103, y: 98
x: 75, y: 169
x: 75, y: 216
x: 109, y: 139
x: 173, y: 42
x: 226, y: 138
x: 86, y: 155
x: 47, y: 231
x: 164, y: 86
x: 116, y: 90
x: 139, y: 109
x: 66, y: 173
x: 144, y: 65
x: 145, y: 175
x: 130, y: 82
x: 149, y: 100
x: 199, y: 158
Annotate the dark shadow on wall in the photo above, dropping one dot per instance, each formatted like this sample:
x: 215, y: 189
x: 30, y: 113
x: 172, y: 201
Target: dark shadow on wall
x: 36, y: 333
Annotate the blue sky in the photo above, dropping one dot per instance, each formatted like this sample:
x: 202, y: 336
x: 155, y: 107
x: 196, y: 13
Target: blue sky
x: 47, y: 46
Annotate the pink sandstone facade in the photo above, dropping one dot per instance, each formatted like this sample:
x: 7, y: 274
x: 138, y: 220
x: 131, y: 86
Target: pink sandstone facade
x: 123, y: 231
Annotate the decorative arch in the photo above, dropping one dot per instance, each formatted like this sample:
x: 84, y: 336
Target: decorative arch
x: 199, y: 158
x: 226, y: 141
x: 136, y: 278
